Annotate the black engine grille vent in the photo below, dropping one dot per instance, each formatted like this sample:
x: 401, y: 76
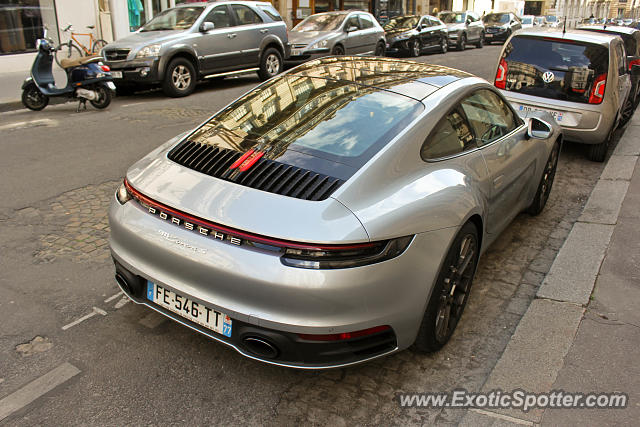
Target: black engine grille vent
x: 266, y: 175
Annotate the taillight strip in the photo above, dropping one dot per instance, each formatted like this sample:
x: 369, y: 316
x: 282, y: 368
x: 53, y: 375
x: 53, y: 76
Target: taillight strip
x: 237, y: 233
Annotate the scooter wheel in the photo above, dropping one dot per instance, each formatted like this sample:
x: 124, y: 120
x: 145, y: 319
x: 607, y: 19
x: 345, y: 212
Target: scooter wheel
x: 33, y: 99
x: 104, y: 97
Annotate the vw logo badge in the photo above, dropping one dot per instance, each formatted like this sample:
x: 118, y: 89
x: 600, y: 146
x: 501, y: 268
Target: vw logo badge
x: 548, y: 77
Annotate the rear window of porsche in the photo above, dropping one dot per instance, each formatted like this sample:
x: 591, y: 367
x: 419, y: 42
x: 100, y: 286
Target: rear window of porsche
x: 554, y: 68
x: 330, y: 120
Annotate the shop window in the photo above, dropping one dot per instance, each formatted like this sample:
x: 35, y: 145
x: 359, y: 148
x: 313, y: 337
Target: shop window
x: 22, y: 23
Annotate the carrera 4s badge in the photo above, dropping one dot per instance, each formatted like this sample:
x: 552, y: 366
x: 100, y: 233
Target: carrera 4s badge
x: 175, y: 240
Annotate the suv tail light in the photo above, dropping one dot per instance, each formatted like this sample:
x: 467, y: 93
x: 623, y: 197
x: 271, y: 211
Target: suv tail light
x: 501, y: 75
x: 633, y: 62
x: 597, y: 90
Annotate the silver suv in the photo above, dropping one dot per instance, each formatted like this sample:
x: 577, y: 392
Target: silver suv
x: 200, y: 40
x: 581, y: 78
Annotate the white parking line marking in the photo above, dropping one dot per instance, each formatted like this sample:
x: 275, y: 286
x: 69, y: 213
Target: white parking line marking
x: 112, y: 297
x: 36, y: 388
x: 121, y: 303
x: 130, y: 105
x: 95, y: 311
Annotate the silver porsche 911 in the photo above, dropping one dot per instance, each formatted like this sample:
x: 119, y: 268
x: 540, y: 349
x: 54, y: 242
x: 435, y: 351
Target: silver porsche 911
x: 334, y: 214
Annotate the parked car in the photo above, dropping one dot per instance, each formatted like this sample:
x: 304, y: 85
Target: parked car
x: 527, y: 21
x: 413, y: 34
x: 336, y: 33
x: 579, y: 77
x: 540, y: 21
x: 463, y: 27
x: 553, y: 21
x: 631, y: 40
x: 498, y: 27
x: 334, y: 214
x: 200, y: 40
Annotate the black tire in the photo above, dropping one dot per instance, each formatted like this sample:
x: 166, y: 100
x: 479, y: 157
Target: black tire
x: 270, y: 64
x: 598, y: 152
x: 98, y: 45
x: 104, y: 97
x: 444, y: 45
x: 546, y: 182
x: 33, y: 99
x: 480, y: 42
x: 179, y: 78
x: 627, y: 112
x: 380, y: 49
x: 67, y: 51
x: 337, y: 50
x: 415, y: 48
x: 450, y: 290
x: 462, y: 42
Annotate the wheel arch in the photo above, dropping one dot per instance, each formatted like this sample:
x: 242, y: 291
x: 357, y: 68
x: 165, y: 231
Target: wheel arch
x: 271, y: 42
x: 166, y: 60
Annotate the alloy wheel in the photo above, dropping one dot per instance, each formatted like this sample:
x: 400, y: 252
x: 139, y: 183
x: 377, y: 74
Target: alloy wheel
x: 416, y: 48
x: 456, y: 287
x: 181, y: 77
x: 548, y: 176
x: 272, y: 64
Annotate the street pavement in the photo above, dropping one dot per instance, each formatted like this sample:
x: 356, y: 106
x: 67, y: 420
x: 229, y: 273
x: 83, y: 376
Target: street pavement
x: 107, y: 361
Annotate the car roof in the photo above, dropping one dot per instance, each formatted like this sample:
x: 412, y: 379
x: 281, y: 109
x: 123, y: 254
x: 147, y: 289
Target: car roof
x: 572, y: 35
x: 612, y: 28
x: 409, y: 78
x: 206, y: 3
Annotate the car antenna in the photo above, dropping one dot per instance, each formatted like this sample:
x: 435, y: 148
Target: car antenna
x: 564, y: 27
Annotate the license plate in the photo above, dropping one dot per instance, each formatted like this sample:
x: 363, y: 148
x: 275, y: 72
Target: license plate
x: 116, y: 74
x: 111, y: 86
x: 189, y: 309
x: 562, y: 117
x: 488, y: 36
x: 296, y: 52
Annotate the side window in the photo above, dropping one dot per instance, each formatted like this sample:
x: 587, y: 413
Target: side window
x: 271, y: 12
x: 352, y: 22
x: 489, y: 116
x: 219, y: 16
x: 246, y: 16
x: 366, y: 22
x: 452, y: 135
x: 433, y: 22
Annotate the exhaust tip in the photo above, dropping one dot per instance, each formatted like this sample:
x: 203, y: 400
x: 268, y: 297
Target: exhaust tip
x: 123, y: 283
x: 261, y: 347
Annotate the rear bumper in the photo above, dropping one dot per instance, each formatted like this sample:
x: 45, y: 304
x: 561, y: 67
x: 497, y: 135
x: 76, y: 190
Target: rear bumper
x: 595, y: 121
x: 275, y: 302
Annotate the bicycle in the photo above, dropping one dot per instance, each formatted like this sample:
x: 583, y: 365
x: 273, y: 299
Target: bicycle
x: 71, y: 50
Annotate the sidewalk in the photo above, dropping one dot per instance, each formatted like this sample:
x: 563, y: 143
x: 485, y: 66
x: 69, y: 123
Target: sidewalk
x: 582, y: 332
x: 11, y: 87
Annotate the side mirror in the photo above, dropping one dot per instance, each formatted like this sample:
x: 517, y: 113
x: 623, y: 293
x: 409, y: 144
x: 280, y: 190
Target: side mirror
x: 351, y: 28
x: 538, y: 129
x: 206, y: 26
x: 423, y: 26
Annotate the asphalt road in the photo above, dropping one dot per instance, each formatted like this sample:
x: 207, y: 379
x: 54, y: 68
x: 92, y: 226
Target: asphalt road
x: 59, y: 305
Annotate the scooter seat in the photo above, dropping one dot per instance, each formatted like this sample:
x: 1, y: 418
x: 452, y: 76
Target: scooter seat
x: 70, y: 63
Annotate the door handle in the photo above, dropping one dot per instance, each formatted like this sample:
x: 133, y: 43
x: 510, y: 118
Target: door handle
x: 231, y: 35
x: 264, y: 31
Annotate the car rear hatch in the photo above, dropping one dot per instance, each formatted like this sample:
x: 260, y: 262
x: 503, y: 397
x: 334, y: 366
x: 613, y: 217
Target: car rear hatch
x: 269, y: 162
x: 554, y: 68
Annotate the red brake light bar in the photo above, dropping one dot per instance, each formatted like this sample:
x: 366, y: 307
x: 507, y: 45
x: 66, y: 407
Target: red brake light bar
x: 241, y: 234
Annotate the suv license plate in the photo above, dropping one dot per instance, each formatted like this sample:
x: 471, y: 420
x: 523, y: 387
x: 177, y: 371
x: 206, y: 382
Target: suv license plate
x: 189, y: 309
x: 116, y: 74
